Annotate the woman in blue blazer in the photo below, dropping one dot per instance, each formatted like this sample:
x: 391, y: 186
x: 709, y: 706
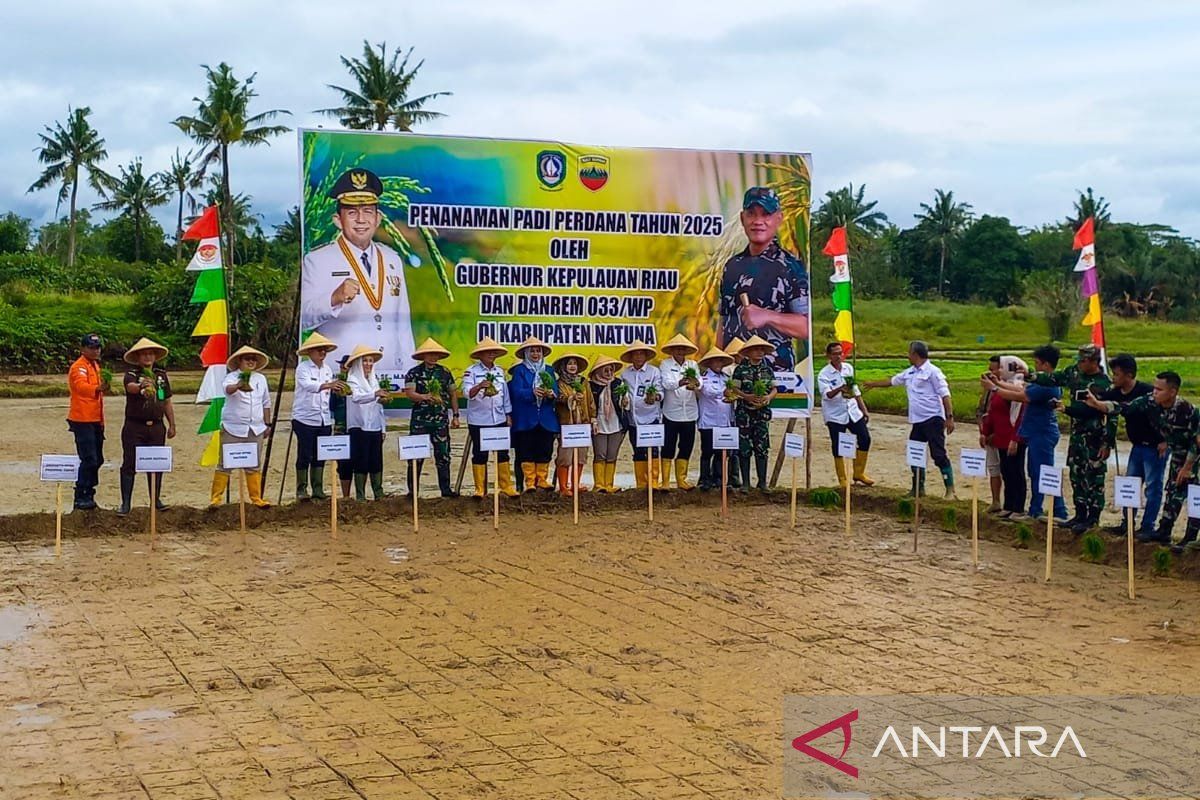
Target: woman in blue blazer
x: 534, y: 421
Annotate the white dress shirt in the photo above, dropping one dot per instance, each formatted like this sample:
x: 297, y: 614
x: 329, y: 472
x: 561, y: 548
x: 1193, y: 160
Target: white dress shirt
x: 246, y: 412
x: 310, y: 403
x: 639, y: 379
x: 363, y: 408
x: 481, y: 409
x: 679, y: 402
x: 714, y: 411
x: 926, y: 386
x: 837, y: 409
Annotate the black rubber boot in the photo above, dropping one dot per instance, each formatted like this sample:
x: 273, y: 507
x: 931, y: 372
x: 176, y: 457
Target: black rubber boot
x: 126, y: 495
x: 414, y: 473
x: 377, y: 485
x: 317, y: 475
x: 302, y: 484
x: 760, y: 466
x: 156, y: 491
x: 706, y: 479
x: 360, y: 486
x: 735, y: 471
x: 744, y: 467
x: 443, y: 473
x: 1160, y: 536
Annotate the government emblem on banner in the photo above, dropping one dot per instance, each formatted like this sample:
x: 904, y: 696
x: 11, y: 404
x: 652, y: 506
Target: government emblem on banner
x: 593, y: 171
x: 551, y: 168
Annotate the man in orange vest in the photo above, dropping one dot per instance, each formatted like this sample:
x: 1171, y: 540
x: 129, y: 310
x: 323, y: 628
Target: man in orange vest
x: 86, y: 418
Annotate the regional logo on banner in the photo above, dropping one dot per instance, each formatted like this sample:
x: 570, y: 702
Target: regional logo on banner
x: 585, y: 247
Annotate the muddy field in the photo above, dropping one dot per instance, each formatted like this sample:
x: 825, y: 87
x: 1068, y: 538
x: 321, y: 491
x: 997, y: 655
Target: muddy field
x: 618, y: 659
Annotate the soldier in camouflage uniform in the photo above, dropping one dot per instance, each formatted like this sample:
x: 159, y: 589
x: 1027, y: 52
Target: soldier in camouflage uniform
x: 1178, y: 422
x: 752, y: 412
x: 764, y: 288
x: 432, y: 413
x: 1093, y: 434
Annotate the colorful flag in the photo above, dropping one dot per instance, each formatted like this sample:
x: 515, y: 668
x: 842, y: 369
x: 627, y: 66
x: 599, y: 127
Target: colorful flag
x: 843, y: 295
x: 213, y: 323
x: 1089, y: 279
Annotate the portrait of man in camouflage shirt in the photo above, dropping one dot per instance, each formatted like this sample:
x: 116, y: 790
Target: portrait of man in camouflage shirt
x: 764, y: 288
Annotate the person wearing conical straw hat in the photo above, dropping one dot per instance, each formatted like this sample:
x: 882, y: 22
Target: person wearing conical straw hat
x: 245, y: 417
x: 576, y: 406
x: 535, y: 423
x: 312, y: 415
x: 754, y: 381
x: 734, y: 350
x: 645, y: 390
x: 147, y: 405
x: 365, y: 420
x: 430, y: 387
x: 681, y: 386
x: 715, y: 410
x: 489, y: 405
x: 612, y: 420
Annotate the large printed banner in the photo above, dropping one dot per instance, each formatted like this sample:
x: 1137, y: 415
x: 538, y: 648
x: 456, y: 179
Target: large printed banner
x: 588, y: 248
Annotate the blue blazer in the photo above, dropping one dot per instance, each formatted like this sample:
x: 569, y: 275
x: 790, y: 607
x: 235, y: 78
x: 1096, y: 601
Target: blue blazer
x: 526, y: 413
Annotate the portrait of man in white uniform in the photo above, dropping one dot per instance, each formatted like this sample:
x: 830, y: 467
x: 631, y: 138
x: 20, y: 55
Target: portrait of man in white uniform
x: 353, y: 289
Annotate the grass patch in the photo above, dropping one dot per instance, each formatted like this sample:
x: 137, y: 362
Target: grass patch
x: 1162, y: 561
x: 825, y: 498
x: 1024, y: 536
x: 1094, y: 548
x: 905, y: 508
x: 950, y: 519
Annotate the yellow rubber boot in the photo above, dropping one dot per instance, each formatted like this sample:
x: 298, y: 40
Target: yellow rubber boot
x: 504, y: 475
x: 219, y: 485
x: 860, y: 469
x: 598, y: 472
x: 681, y: 471
x: 542, y: 473
x: 639, y: 473
x: 610, y: 476
x: 254, y: 487
x: 529, y: 470
x: 479, y: 471
x: 840, y: 466
x: 663, y: 480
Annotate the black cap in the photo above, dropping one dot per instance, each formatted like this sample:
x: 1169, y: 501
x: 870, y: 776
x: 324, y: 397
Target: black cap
x: 91, y: 340
x: 342, y: 361
x: 357, y: 187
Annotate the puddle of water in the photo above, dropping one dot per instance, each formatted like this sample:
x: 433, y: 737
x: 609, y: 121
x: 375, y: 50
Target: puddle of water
x: 36, y: 719
x: 151, y: 715
x: 25, y: 707
x: 14, y: 622
x: 396, y: 555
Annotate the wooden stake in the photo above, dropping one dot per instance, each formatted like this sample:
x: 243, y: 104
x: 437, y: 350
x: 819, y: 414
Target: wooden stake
x: 724, y: 483
x: 1050, y: 539
x: 793, y: 494
x: 650, y: 480
x: 849, y: 483
x: 153, y: 508
x: 916, y: 507
x: 416, y: 494
x: 242, y: 497
x: 1129, y: 545
x: 575, y: 481
x: 58, y: 521
x: 333, y: 498
x: 975, y: 521
x: 807, y: 454
x: 496, y: 496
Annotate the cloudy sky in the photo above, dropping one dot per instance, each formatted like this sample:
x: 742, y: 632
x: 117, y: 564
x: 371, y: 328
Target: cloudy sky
x: 1013, y: 106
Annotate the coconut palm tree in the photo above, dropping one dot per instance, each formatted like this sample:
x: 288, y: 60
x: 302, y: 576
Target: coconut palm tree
x: 846, y: 207
x: 183, y: 176
x: 223, y: 119
x: 944, y: 220
x: 67, y: 151
x: 380, y: 98
x: 133, y: 194
x: 1088, y: 205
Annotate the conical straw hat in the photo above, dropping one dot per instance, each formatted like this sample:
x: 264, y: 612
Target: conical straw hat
x: 145, y: 344
x: 261, y: 358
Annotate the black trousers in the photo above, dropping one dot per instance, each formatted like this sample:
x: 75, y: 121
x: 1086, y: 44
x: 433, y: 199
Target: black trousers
x: 1012, y: 472
x: 859, y: 429
x: 535, y: 446
x: 639, y: 453
x: 366, y: 452
x: 136, y: 433
x: 710, y: 458
x: 679, y: 439
x: 478, y: 456
x: 306, y: 443
x: 89, y: 445
x: 933, y: 432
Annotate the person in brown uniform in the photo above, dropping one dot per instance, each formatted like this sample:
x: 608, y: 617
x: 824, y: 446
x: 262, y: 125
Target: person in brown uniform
x: 147, y: 405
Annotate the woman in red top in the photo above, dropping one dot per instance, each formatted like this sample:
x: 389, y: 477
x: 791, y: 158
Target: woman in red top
x: 998, y: 428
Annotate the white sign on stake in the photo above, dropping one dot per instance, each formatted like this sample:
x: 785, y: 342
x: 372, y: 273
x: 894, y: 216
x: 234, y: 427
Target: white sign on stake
x: 847, y: 445
x: 577, y: 435
x: 972, y: 463
x: 413, y: 447
x: 240, y: 455
x: 152, y: 459
x: 793, y: 445
x: 1127, y: 491
x: 60, y: 468
x: 493, y: 439
x: 1050, y: 481
x: 333, y: 448
x: 651, y: 436
x: 916, y: 454
x: 726, y: 439
x: 1193, y: 502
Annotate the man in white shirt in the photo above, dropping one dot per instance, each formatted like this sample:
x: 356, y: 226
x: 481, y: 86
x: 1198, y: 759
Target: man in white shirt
x: 645, y: 394
x: 929, y: 411
x: 353, y: 289
x: 843, y: 410
x: 489, y: 405
x: 681, y: 386
x: 312, y: 416
x: 244, y: 418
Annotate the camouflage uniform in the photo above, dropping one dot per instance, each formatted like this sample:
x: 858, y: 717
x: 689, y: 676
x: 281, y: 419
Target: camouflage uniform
x: 754, y: 424
x: 774, y: 279
x: 1179, y: 427
x: 1091, y: 432
x: 433, y: 419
